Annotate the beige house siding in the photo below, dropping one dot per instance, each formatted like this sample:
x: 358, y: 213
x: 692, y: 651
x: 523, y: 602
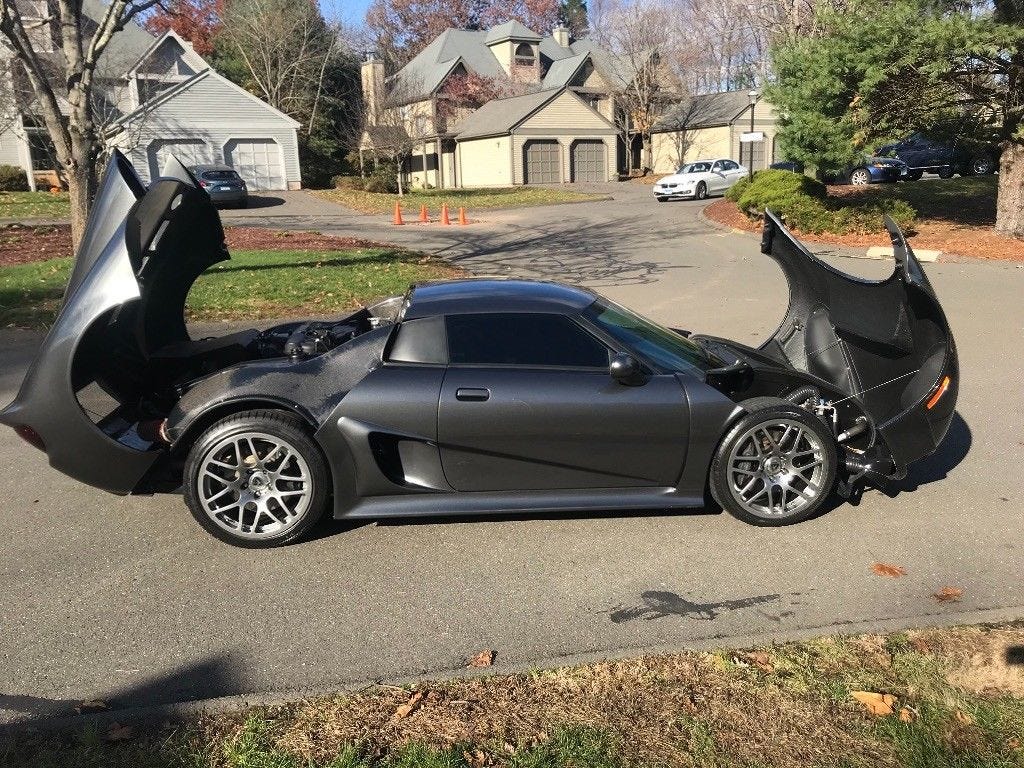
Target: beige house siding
x: 484, y: 162
x: 564, y: 111
x: 698, y: 143
x: 719, y: 141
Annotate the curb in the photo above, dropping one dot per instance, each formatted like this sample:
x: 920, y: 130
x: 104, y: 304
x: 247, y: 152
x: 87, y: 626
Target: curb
x: 181, y: 710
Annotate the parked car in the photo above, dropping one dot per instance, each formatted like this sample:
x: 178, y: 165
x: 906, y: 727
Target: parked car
x: 699, y: 179
x: 792, y: 166
x: 870, y: 170
x: 223, y: 184
x: 472, y: 396
x: 922, y: 154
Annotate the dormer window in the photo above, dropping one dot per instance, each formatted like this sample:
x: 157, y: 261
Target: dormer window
x: 524, y: 55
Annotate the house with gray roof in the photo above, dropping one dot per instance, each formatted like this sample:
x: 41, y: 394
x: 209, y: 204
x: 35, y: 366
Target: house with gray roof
x: 551, y: 118
x: 710, y: 126
x: 159, y: 98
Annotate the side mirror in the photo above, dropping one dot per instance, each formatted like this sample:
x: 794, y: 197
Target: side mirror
x: 625, y: 370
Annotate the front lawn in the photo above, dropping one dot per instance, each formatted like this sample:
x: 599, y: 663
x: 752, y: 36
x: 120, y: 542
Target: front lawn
x: 19, y: 206
x: 254, y: 284
x: 471, y: 199
x: 943, y: 698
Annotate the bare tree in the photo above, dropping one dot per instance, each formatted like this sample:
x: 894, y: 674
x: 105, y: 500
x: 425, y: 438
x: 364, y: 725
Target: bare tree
x: 66, y: 100
x: 286, y: 48
x: 641, y: 38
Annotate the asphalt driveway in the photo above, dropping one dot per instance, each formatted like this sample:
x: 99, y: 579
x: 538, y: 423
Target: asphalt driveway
x: 126, y: 599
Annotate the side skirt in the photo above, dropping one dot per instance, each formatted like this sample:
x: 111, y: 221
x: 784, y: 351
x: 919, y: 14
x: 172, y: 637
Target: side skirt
x: 443, y: 504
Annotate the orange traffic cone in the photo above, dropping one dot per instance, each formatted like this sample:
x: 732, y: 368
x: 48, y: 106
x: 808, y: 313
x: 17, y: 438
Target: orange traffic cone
x: 444, y: 214
x: 398, y: 214
x: 424, y: 218
x: 462, y: 217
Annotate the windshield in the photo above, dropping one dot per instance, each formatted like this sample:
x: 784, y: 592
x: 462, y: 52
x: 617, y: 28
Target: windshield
x: 663, y: 347
x: 695, y: 168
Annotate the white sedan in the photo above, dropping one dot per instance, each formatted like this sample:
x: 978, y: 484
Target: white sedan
x: 700, y: 179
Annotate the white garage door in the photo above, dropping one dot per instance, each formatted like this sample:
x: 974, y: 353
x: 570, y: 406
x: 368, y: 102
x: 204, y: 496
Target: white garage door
x: 258, y: 161
x: 189, y: 151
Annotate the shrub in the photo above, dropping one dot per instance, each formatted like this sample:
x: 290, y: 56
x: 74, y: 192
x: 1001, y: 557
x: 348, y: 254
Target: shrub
x: 377, y: 184
x: 803, y: 204
x: 345, y: 181
x: 12, y: 179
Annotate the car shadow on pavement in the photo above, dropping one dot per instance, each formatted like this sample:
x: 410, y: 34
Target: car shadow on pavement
x: 265, y: 201
x: 213, y: 676
x: 951, y: 451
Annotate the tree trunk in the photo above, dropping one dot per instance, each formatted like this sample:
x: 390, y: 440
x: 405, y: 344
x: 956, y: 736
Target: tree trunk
x: 1010, y: 196
x: 81, y: 180
x: 647, y: 161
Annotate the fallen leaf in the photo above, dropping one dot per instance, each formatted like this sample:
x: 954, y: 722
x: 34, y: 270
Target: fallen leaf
x: 949, y: 594
x: 475, y: 759
x: 118, y: 732
x: 761, y: 660
x: 406, y: 709
x: 963, y: 718
x: 482, y: 659
x: 908, y: 715
x: 878, y: 704
x: 920, y: 645
x: 92, y: 705
x: 887, y: 569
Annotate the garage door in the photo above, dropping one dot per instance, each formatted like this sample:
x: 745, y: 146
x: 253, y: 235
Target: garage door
x: 189, y: 151
x: 543, y: 162
x: 588, y: 161
x: 258, y: 161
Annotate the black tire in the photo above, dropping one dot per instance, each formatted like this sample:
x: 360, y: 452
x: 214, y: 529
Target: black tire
x: 761, y: 413
x: 915, y: 175
x: 278, y: 426
x: 946, y: 172
x: 701, y: 192
x: 662, y: 199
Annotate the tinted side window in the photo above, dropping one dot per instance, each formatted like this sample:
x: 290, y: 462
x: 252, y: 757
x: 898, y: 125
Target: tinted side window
x: 730, y: 165
x: 522, y: 339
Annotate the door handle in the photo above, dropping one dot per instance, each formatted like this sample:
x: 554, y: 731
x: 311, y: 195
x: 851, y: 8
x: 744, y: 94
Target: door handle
x: 472, y: 394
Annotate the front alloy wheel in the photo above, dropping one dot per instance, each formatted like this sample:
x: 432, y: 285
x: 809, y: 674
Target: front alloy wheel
x: 777, y: 466
x: 701, y: 192
x: 860, y: 177
x: 982, y: 166
x: 256, y: 480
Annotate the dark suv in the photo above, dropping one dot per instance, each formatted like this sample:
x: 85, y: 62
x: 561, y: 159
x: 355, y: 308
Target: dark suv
x: 923, y: 154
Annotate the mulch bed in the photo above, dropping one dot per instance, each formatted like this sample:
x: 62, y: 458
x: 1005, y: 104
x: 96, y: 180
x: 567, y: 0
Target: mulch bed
x: 954, y: 240
x: 20, y: 244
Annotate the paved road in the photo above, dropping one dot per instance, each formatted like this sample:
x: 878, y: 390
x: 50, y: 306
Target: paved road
x: 127, y: 599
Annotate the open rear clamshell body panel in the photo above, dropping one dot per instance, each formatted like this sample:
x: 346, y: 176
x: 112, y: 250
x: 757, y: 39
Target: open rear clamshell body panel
x: 884, y: 343
x: 125, y: 299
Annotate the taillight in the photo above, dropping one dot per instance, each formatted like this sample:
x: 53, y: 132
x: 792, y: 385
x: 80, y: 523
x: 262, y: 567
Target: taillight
x: 937, y: 395
x: 30, y: 436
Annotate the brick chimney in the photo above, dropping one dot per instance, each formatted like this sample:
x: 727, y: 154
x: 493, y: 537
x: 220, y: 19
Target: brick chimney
x: 372, y: 76
x: 561, y: 35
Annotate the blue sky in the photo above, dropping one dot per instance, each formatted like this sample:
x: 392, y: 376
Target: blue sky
x: 352, y: 11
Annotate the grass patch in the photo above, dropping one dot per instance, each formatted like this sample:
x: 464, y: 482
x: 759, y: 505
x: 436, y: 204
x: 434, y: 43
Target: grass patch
x: 34, y: 205
x: 472, y: 199
x: 968, y: 201
x: 783, y: 705
x: 254, y: 284
x: 805, y: 205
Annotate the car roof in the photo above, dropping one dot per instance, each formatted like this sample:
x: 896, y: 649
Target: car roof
x: 476, y: 295
x: 201, y: 168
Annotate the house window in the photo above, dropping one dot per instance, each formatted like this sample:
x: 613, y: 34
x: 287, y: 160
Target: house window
x: 524, y: 55
x: 40, y: 147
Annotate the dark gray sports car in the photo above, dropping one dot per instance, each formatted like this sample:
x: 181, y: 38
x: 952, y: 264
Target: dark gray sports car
x: 471, y: 396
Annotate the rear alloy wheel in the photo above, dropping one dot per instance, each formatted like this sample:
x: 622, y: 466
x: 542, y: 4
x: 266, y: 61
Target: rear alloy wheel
x: 256, y: 479
x: 776, y: 466
x: 701, y: 192
x: 982, y: 166
x: 860, y: 177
